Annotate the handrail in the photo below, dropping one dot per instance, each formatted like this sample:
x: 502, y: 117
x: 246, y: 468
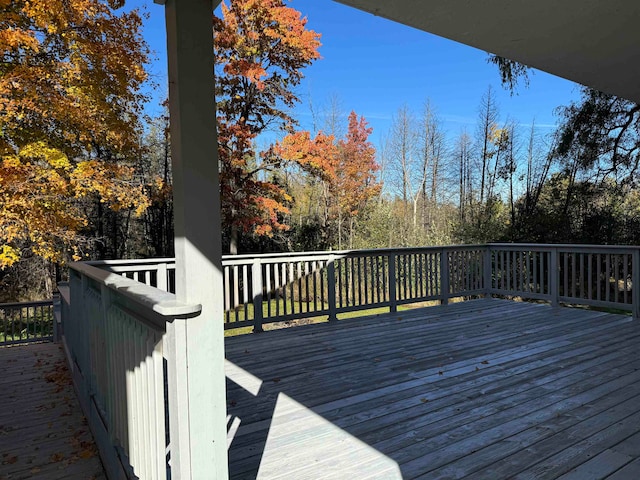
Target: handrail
x: 120, y: 331
x: 273, y: 287
x: 118, y: 338
x: 25, y: 322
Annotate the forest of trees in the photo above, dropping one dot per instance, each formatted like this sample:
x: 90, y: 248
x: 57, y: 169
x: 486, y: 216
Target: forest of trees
x: 85, y: 175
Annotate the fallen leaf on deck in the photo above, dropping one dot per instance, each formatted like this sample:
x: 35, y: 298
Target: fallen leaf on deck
x: 56, y: 457
x: 87, y: 453
x: 275, y: 380
x: 485, y: 362
x: 424, y: 400
x: 10, y: 459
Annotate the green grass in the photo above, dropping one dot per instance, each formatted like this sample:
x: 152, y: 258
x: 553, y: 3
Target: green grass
x: 14, y: 327
x: 312, y: 319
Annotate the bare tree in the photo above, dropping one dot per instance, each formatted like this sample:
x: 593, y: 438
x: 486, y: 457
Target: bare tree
x: 462, y: 156
x: 487, y: 123
x: 432, y: 146
x: 405, y: 154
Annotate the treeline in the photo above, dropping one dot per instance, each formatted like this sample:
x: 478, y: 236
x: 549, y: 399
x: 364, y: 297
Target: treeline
x: 84, y: 175
x: 502, y: 181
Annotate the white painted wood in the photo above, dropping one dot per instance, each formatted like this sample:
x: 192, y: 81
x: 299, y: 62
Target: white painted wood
x: 198, y: 342
x: 361, y: 278
x: 256, y: 279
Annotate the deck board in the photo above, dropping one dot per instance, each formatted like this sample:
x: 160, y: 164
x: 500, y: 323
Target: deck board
x: 480, y: 389
x: 43, y: 434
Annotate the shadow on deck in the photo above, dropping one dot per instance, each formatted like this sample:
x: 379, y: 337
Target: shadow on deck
x: 43, y: 434
x: 485, y: 389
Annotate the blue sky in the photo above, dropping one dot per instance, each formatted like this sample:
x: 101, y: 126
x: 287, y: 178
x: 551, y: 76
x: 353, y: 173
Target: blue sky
x: 375, y: 66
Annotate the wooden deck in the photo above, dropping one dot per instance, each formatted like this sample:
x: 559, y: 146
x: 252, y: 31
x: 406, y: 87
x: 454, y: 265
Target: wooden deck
x: 43, y: 434
x: 488, y: 389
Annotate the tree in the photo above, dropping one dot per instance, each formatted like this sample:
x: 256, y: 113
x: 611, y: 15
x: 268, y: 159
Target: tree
x: 462, y: 156
x: 261, y: 47
x: 347, y: 169
x: 601, y: 135
x: 156, y: 170
x: 485, y: 136
x: 511, y: 72
x: 432, y: 146
x: 354, y: 184
x: 70, y: 74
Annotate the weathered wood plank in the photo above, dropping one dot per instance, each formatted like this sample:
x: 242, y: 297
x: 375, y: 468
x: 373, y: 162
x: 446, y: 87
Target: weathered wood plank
x: 598, y: 467
x: 43, y: 433
x: 629, y: 471
x: 485, y: 389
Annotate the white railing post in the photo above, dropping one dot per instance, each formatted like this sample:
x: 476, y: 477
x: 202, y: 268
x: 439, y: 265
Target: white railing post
x: 487, y: 271
x: 177, y: 375
x: 256, y: 288
x: 331, y: 288
x: 444, y: 276
x: 635, y: 283
x: 161, y: 277
x: 554, y: 276
x: 393, y: 299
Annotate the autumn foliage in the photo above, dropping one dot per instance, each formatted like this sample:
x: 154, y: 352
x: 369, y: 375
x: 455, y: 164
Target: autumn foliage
x: 346, y: 167
x: 70, y: 77
x: 356, y: 168
x: 261, y: 47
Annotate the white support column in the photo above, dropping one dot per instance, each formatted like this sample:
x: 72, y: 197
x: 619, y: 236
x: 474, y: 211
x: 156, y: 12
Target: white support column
x: 199, y: 340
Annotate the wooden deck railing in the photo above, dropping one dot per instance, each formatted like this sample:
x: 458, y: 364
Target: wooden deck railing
x: 120, y: 343
x: 119, y: 318
x: 278, y: 287
x: 26, y: 322
x: 600, y: 276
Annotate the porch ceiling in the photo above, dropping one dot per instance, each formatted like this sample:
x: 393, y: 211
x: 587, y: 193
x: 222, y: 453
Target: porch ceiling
x: 591, y: 42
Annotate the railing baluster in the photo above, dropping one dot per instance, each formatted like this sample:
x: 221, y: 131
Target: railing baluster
x: 359, y: 286
x: 599, y: 277
x: 267, y: 274
x: 391, y: 267
x: 256, y: 290
x: 307, y: 298
x: 227, y: 293
x: 352, y: 282
x: 590, y: 276
x: 245, y: 292
x: 292, y: 282
x: 565, y: 284
x: 624, y: 276
x: 607, y: 266
x: 276, y: 286
x: 283, y: 283
x: 331, y: 288
x: 635, y: 283
x: 535, y: 287
x: 616, y: 277
x: 508, y: 271
x: 339, y: 276
x: 444, y: 276
x: 299, y: 282
x: 574, y: 275
x: 554, y: 276
x: 323, y: 271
